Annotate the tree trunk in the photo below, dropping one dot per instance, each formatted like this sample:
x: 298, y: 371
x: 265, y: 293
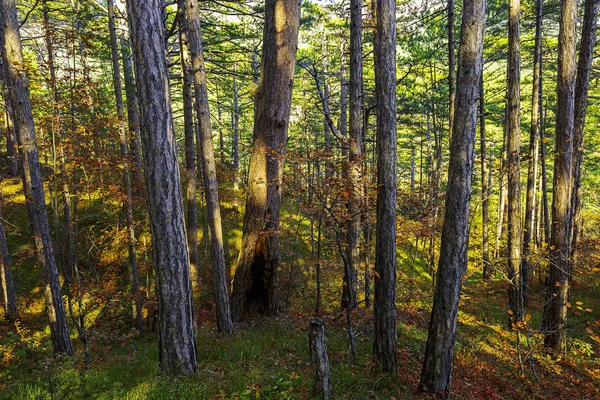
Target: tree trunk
x: 256, y: 284
x: 485, y: 188
x: 355, y: 185
x: 235, y: 139
x: 529, y: 230
x: 17, y: 83
x: 544, y: 177
x: 559, y: 275
x: 451, y: 66
x: 437, y: 367
x: 385, y: 242
x: 177, y: 347
x: 9, y: 295
x: 513, y: 163
x: 209, y: 171
x: 586, y: 54
x: 128, y: 206
x: 133, y: 117
x: 317, y: 343
x: 11, y: 140
x: 190, y: 150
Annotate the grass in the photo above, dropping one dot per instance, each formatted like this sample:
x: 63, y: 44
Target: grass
x: 269, y: 358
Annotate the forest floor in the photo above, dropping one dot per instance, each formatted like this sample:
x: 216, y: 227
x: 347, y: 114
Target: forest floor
x: 268, y: 358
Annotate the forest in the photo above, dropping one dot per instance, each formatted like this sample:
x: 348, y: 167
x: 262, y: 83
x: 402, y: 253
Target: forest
x: 299, y: 199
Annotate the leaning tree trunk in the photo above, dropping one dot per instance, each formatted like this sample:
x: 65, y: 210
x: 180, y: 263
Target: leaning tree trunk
x: 209, y: 171
x: 586, y: 53
x: 529, y: 230
x: 513, y: 163
x: 436, y: 375
x: 177, y: 347
x: 385, y: 242
x: 256, y: 284
x: 17, y: 84
x: 128, y: 206
x: 9, y: 295
x: 555, y: 308
x: 190, y: 150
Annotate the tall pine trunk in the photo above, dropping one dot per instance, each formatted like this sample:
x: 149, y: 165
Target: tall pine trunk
x: 513, y: 162
x: 177, y: 347
x: 586, y: 54
x: 436, y: 375
x: 128, y: 203
x: 190, y: 150
x: 17, y: 82
x: 209, y: 171
x: 555, y: 308
x: 385, y: 242
x: 355, y: 155
x: 529, y: 229
x: 485, y: 188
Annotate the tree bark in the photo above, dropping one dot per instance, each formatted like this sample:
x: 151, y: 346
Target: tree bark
x: 11, y: 140
x: 385, y: 242
x: 133, y: 116
x: 256, y: 283
x: 451, y: 66
x: 209, y: 171
x: 485, y: 188
x: 355, y: 184
x: 177, y: 347
x: 317, y: 343
x: 9, y: 295
x: 586, y: 54
x: 513, y: 163
x: 190, y: 150
x: 529, y: 230
x: 17, y: 83
x: 436, y: 375
x: 128, y: 206
x: 559, y: 275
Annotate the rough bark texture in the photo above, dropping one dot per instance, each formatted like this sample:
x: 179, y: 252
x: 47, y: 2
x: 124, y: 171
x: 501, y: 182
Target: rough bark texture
x: 437, y: 367
x: 534, y: 134
x: 256, y: 285
x: 128, y: 206
x: 317, y: 343
x: 190, y: 150
x: 584, y: 65
x: 9, y: 296
x: 451, y: 66
x: 209, y: 171
x: 558, y: 281
x: 385, y: 242
x: 513, y: 162
x: 354, y: 156
x: 17, y: 83
x: 165, y: 205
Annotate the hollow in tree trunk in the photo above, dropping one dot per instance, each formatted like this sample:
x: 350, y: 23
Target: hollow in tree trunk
x: 256, y: 287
